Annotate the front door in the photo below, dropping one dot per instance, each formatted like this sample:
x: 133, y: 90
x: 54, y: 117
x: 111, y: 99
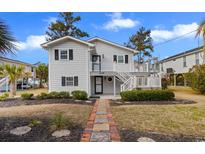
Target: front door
x: 98, y: 84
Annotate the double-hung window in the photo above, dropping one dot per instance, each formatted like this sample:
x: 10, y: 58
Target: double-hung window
x: 64, y: 54
x: 197, y: 58
x: 70, y: 81
x: 120, y: 59
x: 184, y: 61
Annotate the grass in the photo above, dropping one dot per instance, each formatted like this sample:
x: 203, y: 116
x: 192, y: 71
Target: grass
x: 77, y: 113
x: 183, y: 89
x: 167, y: 119
x: 34, y: 91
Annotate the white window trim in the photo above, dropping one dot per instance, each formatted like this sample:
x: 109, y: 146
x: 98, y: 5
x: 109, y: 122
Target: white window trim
x: 123, y: 57
x: 60, y: 50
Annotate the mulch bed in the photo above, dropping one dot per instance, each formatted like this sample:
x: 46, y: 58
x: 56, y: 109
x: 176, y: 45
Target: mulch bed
x: 172, y: 102
x: 40, y: 133
x: 19, y: 101
x: 132, y: 136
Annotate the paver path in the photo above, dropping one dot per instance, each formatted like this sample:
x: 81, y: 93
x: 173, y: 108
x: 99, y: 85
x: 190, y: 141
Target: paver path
x: 100, y: 125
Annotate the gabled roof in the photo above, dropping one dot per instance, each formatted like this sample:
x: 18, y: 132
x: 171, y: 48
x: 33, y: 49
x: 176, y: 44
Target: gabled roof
x: 47, y: 44
x: 112, y: 43
x: 188, y: 52
x: 15, y: 61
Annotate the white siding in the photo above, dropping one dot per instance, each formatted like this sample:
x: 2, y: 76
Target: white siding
x: 177, y: 63
x: 77, y: 67
x: 107, y: 62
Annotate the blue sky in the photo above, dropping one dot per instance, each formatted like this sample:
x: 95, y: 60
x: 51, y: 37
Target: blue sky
x: 29, y: 29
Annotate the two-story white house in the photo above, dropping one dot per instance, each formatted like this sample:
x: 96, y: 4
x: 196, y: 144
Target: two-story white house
x: 96, y: 66
x: 181, y: 63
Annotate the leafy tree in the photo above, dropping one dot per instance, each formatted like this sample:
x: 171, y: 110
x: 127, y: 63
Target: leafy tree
x: 7, y: 41
x: 201, y: 30
x: 141, y: 41
x: 196, y: 78
x: 42, y: 73
x: 14, y: 73
x: 65, y: 26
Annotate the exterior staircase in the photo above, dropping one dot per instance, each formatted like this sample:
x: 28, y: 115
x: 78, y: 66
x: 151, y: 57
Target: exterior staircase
x: 4, y: 84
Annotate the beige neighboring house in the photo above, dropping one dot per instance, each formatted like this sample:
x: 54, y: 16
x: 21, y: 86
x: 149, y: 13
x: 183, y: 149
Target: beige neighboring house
x: 175, y: 66
x: 21, y: 83
x: 97, y: 66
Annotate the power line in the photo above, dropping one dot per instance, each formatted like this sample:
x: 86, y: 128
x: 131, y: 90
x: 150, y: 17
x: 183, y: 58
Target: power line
x: 174, y: 38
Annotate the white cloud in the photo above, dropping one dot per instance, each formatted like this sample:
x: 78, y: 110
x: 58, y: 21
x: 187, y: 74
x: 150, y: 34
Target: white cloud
x: 160, y: 35
x: 118, y: 22
x: 32, y: 42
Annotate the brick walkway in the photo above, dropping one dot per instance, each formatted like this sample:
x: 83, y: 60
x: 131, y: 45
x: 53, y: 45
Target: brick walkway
x: 100, y: 125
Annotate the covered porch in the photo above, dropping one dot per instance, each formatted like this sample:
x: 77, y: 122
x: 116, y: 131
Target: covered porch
x: 105, y: 85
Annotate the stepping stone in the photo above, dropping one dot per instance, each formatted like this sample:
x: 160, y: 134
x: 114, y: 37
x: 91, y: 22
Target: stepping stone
x: 101, y: 127
x: 77, y: 100
x: 20, y: 130
x: 101, y: 120
x: 88, y: 101
x: 100, y: 137
x: 101, y: 116
x: 101, y: 112
x: 145, y: 139
x: 61, y: 133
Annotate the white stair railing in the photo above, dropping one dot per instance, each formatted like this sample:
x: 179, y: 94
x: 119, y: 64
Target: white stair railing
x: 4, y: 84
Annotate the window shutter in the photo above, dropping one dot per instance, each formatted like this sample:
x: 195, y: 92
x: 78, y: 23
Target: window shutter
x: 114, y: 58
x: 75, y: 80
x: 70, y: 54
x: 126, y: 59
x: 63, y: 81
x: 56, y: 54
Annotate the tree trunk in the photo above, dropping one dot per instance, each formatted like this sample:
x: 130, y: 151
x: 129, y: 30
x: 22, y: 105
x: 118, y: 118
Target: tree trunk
x: 13, y: 89
x: 41, y: 86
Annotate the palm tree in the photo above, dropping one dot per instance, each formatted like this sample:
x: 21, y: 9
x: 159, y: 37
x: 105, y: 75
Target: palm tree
x: 7, y: 41
x: 201, y: 30
x: 13, y: 73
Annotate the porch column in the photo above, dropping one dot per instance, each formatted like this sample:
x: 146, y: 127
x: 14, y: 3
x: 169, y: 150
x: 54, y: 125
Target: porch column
x: 175, y: 80
x: 114, y: 86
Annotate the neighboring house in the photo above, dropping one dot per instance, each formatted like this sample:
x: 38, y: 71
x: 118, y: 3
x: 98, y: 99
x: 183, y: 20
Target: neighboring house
x: 181, y: 63
x: 21, y: 83
x: 96, y: 66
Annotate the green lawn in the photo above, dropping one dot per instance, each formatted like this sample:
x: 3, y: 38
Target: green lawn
x: 168, y: 119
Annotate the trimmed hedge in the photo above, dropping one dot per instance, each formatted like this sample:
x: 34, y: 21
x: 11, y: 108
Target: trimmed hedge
x: 54, y: 95
x: 80, y: 95
x: 147, y: 95
x: 26, y: 96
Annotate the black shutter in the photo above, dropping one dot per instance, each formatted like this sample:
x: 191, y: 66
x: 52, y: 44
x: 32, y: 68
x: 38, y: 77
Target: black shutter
x: 126, y: 59
x: 70, y: 54
x: 56, y: 54
x: 63, y: 81
x: 114, y: 58
x: 75, y: 80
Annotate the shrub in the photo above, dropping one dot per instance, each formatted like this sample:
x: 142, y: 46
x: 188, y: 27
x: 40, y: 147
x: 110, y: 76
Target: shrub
x: 147, y: 95
x: 64, y: 94
x: 164, y: 83
x: 4, y: 96
x: 35, y: 123
x: 53, y: 95
x: 60, y: 122
x: 43, y: 96
x: 80, y: 95
x: 26, y: 96
x: 196, y: 78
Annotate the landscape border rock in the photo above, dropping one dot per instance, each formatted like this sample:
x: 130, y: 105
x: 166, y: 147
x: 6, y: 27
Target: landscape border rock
x: 20, y: 130
x: 61, y: 133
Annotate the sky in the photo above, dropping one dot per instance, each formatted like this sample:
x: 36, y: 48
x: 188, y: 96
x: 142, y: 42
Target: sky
x: 30, y: 28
